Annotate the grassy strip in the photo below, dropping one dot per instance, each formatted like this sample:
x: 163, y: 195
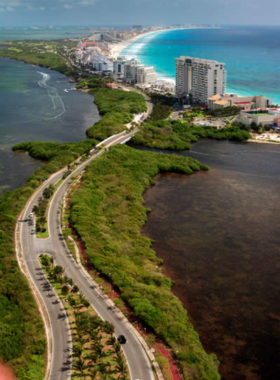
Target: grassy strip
x: 42, y: 209
x: 178, y: 135
x: 44, y: 233
x: 22, y: 343
x: 108, y: 212
x: 41, y: 53
x: 115, y: 106
x: 96, y: 353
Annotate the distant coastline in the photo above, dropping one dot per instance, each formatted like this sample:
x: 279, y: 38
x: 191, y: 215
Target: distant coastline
x: 253, y: 75
x: 117, y: 49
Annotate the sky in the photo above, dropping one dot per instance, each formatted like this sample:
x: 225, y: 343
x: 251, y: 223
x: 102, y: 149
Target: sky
x: 145, y: 12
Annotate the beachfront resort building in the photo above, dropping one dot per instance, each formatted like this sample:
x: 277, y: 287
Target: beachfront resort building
x: 261, y: 116
x: 199, y: 79
x: 118, y: 65
x: 146, y: 74
x: 134, y: 72
x: 247, y: 103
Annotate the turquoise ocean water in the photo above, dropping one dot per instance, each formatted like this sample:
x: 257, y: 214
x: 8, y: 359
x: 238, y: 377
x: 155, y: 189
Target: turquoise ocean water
x: 251, y: 54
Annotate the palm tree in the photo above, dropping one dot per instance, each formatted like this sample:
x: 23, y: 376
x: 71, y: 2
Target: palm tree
x: 93, y: 373
x: 108, y: 328
x: 111, y: 341
x: 117, y: 347
x: 86, y: 303
x: 104, y: 369
x: 121, y: 368
x: 77, y: 350
x: 97, y: 354
x: 80, y: 365
x: 93, y: 334
x: 81, y: 340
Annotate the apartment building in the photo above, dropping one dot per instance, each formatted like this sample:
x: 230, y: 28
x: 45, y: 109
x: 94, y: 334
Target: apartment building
x: 118, y: 65
x: 146, y: 74
x: 134, y: 72
x: 130, y: 71
x: 199, y: 78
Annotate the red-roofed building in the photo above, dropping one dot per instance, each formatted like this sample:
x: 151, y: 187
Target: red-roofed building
x: 112, y: 85
x: 245, y: 102
x: 87, y: 44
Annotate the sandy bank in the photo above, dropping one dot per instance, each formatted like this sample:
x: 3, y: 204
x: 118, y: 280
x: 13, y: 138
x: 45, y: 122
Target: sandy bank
x: 267, y: 138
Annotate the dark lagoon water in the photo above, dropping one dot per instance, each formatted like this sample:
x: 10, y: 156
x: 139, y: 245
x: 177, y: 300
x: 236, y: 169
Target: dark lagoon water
x: 35, y: 107
x: 218, y: 233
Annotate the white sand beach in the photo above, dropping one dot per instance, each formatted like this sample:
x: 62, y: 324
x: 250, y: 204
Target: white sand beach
x: 117, y: 48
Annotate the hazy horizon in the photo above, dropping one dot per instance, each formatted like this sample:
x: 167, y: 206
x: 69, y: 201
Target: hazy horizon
x: 27, y: 13
x: 55, y: 26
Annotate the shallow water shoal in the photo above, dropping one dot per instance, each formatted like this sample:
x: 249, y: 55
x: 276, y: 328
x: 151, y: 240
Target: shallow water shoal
x: 35, y: 107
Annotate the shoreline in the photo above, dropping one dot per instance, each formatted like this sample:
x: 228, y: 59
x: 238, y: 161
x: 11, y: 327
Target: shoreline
x: 263, y: 142
x: 118, y: 48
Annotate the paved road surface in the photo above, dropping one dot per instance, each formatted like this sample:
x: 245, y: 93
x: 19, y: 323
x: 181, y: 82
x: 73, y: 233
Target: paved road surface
x: 139, y: 365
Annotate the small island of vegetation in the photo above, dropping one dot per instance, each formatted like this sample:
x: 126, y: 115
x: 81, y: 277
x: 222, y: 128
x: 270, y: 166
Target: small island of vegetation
x: 178, y: 135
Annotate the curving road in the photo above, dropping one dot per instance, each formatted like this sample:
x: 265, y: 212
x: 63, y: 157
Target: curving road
x: 31, y: 247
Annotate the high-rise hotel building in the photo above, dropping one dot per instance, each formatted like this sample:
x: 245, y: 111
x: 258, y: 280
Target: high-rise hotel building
x: 199, y: 78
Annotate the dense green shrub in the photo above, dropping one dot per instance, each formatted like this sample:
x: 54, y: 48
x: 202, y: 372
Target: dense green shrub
x: 160, y: 112
x: 96, y: 81
x: 227, y: 111
x: 108, y: 212
x: 178, y: 135
x: 36, y: 52
x: 116, y: 106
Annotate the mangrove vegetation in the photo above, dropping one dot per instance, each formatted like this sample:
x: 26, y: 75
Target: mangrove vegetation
x: 115, y: 106
x: 178, y: 135
x: 42, y: 53
x: 108, y: 212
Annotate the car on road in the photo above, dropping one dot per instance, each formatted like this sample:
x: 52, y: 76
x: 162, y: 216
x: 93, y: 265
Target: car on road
x: 31, y: 215
x: 121, y: 339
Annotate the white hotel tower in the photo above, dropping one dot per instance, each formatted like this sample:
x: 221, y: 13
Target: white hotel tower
x: 200, y: 78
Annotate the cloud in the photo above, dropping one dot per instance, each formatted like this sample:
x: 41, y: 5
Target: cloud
x: 87, y: 2
x: 8, y: 5
x: 31, y: 5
